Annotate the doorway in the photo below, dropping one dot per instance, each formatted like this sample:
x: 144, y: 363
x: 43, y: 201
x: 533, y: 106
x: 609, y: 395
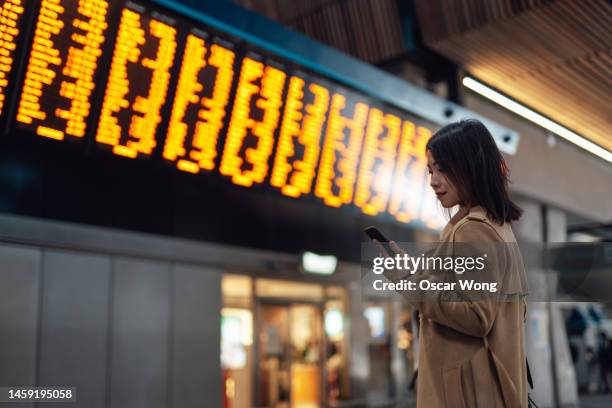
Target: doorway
x: 290, y: 354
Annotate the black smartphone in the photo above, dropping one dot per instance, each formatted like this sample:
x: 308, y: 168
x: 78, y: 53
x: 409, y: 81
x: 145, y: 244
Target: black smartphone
x: 374, y: 233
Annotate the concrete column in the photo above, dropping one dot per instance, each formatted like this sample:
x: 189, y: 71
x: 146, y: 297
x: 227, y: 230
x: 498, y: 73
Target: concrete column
x: 565, y: 373
x: 529, y: 232
x: 546, y: 339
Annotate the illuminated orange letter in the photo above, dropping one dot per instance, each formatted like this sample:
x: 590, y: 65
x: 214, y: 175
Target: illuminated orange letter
x: 268, y: 100
x: 377, y: 162
x: 198, y: 116
x: 139, y: 137
x: 340, y: 153
x: 409, y: 181
x: 67, y: 70
x: 10, y: 25
x: 300, y: 135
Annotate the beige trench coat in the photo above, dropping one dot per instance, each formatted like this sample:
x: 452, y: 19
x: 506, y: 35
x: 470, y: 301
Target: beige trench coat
x: 472, y: 354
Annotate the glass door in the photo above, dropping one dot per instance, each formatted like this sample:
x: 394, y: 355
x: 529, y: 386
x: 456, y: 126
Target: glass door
x: 289, y: 355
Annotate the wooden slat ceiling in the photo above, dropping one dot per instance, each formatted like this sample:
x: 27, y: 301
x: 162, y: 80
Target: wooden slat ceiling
x: 554, y: 56
x: 366, y: 29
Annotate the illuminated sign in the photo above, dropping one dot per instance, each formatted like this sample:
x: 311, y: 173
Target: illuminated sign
x: 55, y: 101
x: 377, y: 160
x: 11, y: 13
x: 255, y: 117
x: 340, y: 155
x: 137, y: 84
x: 208, y: 104
x: 299, y: 139
x: 200, y: 103
x: 410, y: 165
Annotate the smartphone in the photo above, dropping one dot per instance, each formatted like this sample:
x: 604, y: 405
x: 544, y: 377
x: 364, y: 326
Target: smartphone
x: 374, y: 233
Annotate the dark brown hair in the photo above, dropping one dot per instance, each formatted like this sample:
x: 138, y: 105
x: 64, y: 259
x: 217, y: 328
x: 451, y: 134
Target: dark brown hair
x: 466, y: 152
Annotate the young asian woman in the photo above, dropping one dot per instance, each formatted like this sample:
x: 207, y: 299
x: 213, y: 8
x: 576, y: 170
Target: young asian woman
x: 472, y: 351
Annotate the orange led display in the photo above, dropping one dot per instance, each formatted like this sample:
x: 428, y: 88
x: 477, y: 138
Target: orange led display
x: 429, y: 202
x: 409, y: 181
x: 298, y: 147
x: 250, y: 140
x: 340, y: 155
x: 137, y: 84
x: 197, y: 119
x: 231, y: 106
x: 377, y: 162
x: 59, y: 79
x: 11, y: 12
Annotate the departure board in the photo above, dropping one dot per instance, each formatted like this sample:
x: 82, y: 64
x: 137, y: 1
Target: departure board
x: 377, y: 161
x: 138, y: 81
x: 299, y: 140
x: 142, y: 81
x: 254, y: 119
x: 200, y: 102
x: 55, y: 101
x: 411, y: 162
x: 11, y: 17
x: 340, y: 155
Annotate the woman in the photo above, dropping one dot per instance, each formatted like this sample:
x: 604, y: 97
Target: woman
x: 472, y: 350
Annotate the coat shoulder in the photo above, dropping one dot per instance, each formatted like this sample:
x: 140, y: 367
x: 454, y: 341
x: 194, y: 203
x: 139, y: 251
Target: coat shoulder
x: 476, y: 227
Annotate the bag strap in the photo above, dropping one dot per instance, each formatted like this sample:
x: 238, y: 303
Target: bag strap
x: 529, y: 379
x: 413, y: 381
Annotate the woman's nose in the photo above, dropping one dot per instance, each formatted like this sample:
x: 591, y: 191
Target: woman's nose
x: 434, y: 182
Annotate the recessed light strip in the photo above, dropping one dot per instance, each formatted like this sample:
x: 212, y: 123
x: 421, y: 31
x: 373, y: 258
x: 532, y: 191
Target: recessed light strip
x: 536, y: 118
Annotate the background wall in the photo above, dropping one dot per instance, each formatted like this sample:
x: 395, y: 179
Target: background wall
x: 125, y: 331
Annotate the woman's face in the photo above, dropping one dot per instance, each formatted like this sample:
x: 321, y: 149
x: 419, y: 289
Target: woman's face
x: 441, y: 185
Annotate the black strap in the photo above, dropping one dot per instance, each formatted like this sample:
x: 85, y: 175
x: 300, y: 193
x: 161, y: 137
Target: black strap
x: 529, y: 379
x: 413, y: 380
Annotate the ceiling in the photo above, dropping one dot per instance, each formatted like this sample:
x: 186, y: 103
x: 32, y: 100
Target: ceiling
x: 366, y: 29
x: 554, y: 56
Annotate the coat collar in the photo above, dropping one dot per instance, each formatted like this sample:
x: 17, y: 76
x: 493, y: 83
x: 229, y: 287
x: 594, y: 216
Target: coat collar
x: 476, y: 212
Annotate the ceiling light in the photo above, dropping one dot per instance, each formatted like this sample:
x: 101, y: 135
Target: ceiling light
x: 536, y: 118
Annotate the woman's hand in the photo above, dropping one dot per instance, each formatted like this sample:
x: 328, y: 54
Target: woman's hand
x: 394, y: 247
